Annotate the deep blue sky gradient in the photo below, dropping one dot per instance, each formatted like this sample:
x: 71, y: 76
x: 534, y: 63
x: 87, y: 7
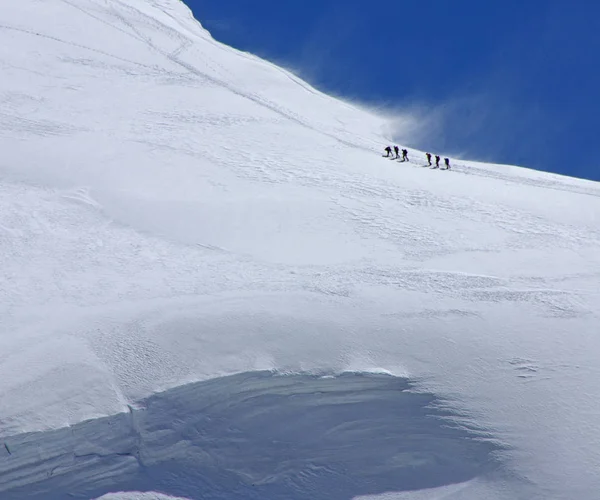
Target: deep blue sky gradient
x: 512, y: 81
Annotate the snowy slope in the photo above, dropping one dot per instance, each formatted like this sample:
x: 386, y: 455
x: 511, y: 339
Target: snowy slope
x: 175, y: 211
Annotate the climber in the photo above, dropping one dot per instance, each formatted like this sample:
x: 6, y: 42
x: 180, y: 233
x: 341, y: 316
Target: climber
x: 388, y: 152
x: 404, y: 155
x: 437, y: 161
x: 397, y: 150
x: 447, y: 162
x: 428, y: 155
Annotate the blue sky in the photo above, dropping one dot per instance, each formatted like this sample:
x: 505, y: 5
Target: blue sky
x: 505, y: 81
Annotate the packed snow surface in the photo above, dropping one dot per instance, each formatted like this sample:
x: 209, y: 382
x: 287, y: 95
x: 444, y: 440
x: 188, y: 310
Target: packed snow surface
x: 174, y: 212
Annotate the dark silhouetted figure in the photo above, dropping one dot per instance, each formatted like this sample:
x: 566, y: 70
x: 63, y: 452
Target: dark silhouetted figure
x: 388, y: 151
x: 428, y: 155
x: 437, y: 161
x: 447, y: 162
x: 396, y: 150
x: 404, y: 155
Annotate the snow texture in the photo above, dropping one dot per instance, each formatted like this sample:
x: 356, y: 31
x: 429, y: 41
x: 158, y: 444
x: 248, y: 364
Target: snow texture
x: 174, y: 212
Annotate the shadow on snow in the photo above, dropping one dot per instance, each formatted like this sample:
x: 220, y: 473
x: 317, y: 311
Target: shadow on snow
x: 254, y: 435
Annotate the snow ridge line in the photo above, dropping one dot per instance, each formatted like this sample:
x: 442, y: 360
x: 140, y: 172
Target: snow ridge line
x: 173, y: 57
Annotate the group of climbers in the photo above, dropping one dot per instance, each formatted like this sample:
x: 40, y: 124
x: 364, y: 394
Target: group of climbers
x: 437, y: 161
x: 388, y: 154
x: 388, y: 151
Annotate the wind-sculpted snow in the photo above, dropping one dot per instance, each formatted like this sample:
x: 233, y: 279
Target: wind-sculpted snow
x: 174, y: 211
x: 256, y: 435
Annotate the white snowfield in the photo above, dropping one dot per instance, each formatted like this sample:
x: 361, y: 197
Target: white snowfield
x: 173, y: 211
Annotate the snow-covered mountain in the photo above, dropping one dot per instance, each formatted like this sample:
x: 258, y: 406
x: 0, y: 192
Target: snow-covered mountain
x: 213, y: 286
